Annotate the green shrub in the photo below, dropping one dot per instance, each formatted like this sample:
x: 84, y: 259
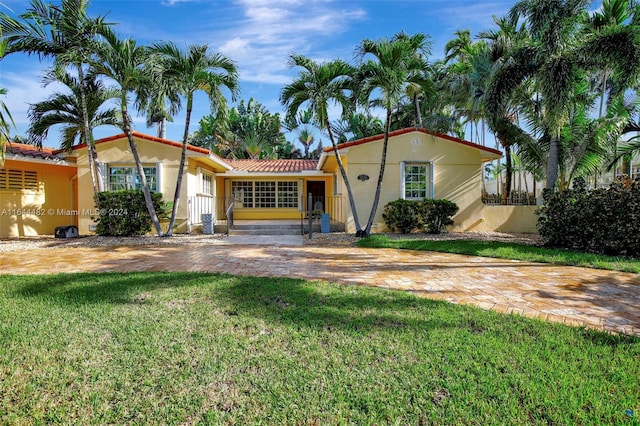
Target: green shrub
x: 436, y: 215
x: 124, y: 213
x: 402, y: 216
x: 605, y: 221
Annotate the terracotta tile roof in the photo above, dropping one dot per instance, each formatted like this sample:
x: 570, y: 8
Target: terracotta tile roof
x: 274, y: 166
x: 26, y: 150
x: 413, y: 129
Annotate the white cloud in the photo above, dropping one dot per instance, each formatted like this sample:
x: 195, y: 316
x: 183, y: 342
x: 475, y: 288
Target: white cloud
x: 262, y: 37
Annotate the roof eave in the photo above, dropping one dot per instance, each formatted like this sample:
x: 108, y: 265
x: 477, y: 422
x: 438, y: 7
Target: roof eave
x: 29, y: 159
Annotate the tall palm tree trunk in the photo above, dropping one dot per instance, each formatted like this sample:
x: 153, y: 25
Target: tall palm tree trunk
x: 383, y: 162
x: 552, y: 166
x: 183, y: 160
x: 345, y: 179
x: 92, y: 154
x: 508, y: 178
x: 416, y: 101
x: 143, y: 179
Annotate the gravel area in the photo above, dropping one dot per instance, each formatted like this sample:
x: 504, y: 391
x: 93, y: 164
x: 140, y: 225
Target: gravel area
x: 323, y: 240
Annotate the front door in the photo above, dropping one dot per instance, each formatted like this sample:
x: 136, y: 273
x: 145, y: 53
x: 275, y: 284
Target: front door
x: 316, y: 188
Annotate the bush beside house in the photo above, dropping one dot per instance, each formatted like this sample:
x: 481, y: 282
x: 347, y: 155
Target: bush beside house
x: 605, y: 220
x: 431, y: 216
x: 124, y: 213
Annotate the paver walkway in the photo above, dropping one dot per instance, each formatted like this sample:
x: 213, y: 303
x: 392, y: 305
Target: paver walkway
x: 577, y: 296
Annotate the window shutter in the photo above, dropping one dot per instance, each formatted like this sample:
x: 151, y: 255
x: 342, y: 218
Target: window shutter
x: 159, y: 180
x: 402, y: 178
x: 432, y: 188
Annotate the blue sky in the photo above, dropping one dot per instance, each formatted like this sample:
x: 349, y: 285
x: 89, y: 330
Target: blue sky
x: 258, y: 35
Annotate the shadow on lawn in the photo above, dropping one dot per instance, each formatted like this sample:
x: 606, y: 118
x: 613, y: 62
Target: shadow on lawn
x: 278, y: 300
x: 116, y: 288
x: 329, y: 306
x: 287, y: 301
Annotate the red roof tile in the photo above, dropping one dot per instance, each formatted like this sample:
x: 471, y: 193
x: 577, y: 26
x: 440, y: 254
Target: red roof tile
x: 26, y: 150
x: 273, y: 166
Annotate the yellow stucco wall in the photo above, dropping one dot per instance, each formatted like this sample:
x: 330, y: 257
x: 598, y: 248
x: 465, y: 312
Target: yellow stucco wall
x: 31, y: 212
x: 456, y: 175
x: 118, y: 153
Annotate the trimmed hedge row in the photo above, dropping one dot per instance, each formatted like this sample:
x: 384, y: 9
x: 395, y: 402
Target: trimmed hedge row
x: 605, y: 221
x: 124, y: 213
x: 432, y: 216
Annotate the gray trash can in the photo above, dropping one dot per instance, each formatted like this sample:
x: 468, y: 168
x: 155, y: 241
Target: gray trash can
x: 325, y: 224
x: 207, y: 223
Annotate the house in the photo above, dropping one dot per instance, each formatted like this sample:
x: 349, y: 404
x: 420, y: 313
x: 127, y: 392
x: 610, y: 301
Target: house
x: 38, y: 190
x: 420, y: 164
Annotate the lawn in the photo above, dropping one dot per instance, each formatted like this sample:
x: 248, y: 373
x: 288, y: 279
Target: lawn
x: 175, y: 348
x: 504, y: 250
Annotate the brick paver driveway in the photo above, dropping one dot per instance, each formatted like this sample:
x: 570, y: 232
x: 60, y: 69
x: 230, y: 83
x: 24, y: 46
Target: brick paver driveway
x: 577, y: 296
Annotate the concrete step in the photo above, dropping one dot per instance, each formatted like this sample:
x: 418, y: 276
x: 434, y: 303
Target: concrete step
x: 265, y: 231
x: 274, y: 226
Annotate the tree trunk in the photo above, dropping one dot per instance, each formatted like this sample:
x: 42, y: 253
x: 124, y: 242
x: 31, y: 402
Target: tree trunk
x: 92, y: 154
x: 183, y: 160
x: 383, y: 162
x: 508, y: 178
x: 416, y: 101
x: 143, y: 179
x: 162, y: 129
x: 345, y: 178
x: 552, y: 165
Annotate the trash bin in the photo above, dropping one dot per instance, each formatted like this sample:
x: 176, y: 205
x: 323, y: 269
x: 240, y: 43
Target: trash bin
x: 207, y: 223
x: 325, y: 224
x: 66, y: 232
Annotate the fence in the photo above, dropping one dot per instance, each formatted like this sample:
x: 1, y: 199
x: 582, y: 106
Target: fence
x: 515, y: 199
x: 333, y: 205
x: 199, y: 205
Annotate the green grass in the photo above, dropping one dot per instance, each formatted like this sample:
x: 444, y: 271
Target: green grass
x: 174, y: 348
x: 503, y: 250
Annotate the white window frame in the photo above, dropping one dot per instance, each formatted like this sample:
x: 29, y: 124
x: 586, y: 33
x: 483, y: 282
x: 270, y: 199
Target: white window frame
x: 429, y: 188
x: 206, y: 185
x: 130, y: 178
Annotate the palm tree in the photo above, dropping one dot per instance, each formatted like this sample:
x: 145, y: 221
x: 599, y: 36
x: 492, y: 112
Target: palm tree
x: 6, y: 121
x: 612, y: 14
x: 302, y: 126
x: 556, y: 59
x: 67, y: 34
x: 398, y: 63
x: 65, y: 109
x: 185, y: 73
x: 318, y: 85
x: 123, y: 62
x: 358, y: 126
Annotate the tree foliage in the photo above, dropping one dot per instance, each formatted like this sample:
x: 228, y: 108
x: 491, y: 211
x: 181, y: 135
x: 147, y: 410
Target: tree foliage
x: 243, y: 131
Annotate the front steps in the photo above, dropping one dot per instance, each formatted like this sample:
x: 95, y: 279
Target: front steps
x: 275, y: 227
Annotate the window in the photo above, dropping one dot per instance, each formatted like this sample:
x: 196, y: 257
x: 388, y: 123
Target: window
x: 288, y: 194
x: 19, y: 179
x: 265, y: 194
x: 242, y: 193
x: 207, y: 184
x: 416, y: 182
x: 127, y: 177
